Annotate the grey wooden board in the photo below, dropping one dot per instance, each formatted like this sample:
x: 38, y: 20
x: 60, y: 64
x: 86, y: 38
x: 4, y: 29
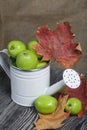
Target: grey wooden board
x: 16, y: 117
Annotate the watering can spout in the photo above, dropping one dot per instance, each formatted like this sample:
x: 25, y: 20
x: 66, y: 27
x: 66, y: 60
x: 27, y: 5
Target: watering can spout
x: 70, y: 78
x: 55, y: 88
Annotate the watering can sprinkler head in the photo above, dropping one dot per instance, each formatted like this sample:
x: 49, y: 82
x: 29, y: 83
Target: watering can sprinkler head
x: 71, y: 78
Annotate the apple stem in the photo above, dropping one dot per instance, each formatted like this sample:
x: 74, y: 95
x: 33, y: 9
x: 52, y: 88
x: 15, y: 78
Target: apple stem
x: 12, y: 48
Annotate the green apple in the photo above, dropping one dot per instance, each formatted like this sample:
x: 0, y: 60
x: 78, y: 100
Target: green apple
x: 45, y: 104
x: 30, y: 46
x: 26, y: 60
x: 41, y: 64
x: 73, y: 105
x: 15, y: 47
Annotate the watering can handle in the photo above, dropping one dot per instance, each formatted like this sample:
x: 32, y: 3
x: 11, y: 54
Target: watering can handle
x: 4, y: 63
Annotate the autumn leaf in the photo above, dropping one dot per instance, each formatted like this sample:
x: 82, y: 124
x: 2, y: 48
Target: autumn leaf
x: 58, y: 44
x: 54, y: 120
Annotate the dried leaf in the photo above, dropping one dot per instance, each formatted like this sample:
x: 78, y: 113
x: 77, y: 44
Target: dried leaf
x: 58, y: 45
x: 54, y: 120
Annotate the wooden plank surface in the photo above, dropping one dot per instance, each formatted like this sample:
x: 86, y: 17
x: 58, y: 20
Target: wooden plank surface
x: 16, y: 117
x: 12, y: 115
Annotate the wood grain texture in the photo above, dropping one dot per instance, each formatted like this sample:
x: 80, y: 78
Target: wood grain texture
x: 13, y: 116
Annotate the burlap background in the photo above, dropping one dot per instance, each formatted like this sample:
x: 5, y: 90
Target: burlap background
x: 19, y: 20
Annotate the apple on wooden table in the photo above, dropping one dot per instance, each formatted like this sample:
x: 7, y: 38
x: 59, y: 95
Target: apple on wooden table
x: 73, y: 105
x: 45, y: 104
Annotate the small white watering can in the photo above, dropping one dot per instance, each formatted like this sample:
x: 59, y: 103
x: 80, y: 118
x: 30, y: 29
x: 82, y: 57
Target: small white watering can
x: 26, y: 86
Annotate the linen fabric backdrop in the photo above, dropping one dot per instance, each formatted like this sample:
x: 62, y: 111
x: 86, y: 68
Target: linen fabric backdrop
x: 19, y: 20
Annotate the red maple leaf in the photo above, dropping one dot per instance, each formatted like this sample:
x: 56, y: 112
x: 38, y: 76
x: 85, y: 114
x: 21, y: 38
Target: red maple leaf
x: 58, y: 45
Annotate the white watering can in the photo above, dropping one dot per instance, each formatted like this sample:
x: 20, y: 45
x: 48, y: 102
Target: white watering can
x: 26, y: 86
